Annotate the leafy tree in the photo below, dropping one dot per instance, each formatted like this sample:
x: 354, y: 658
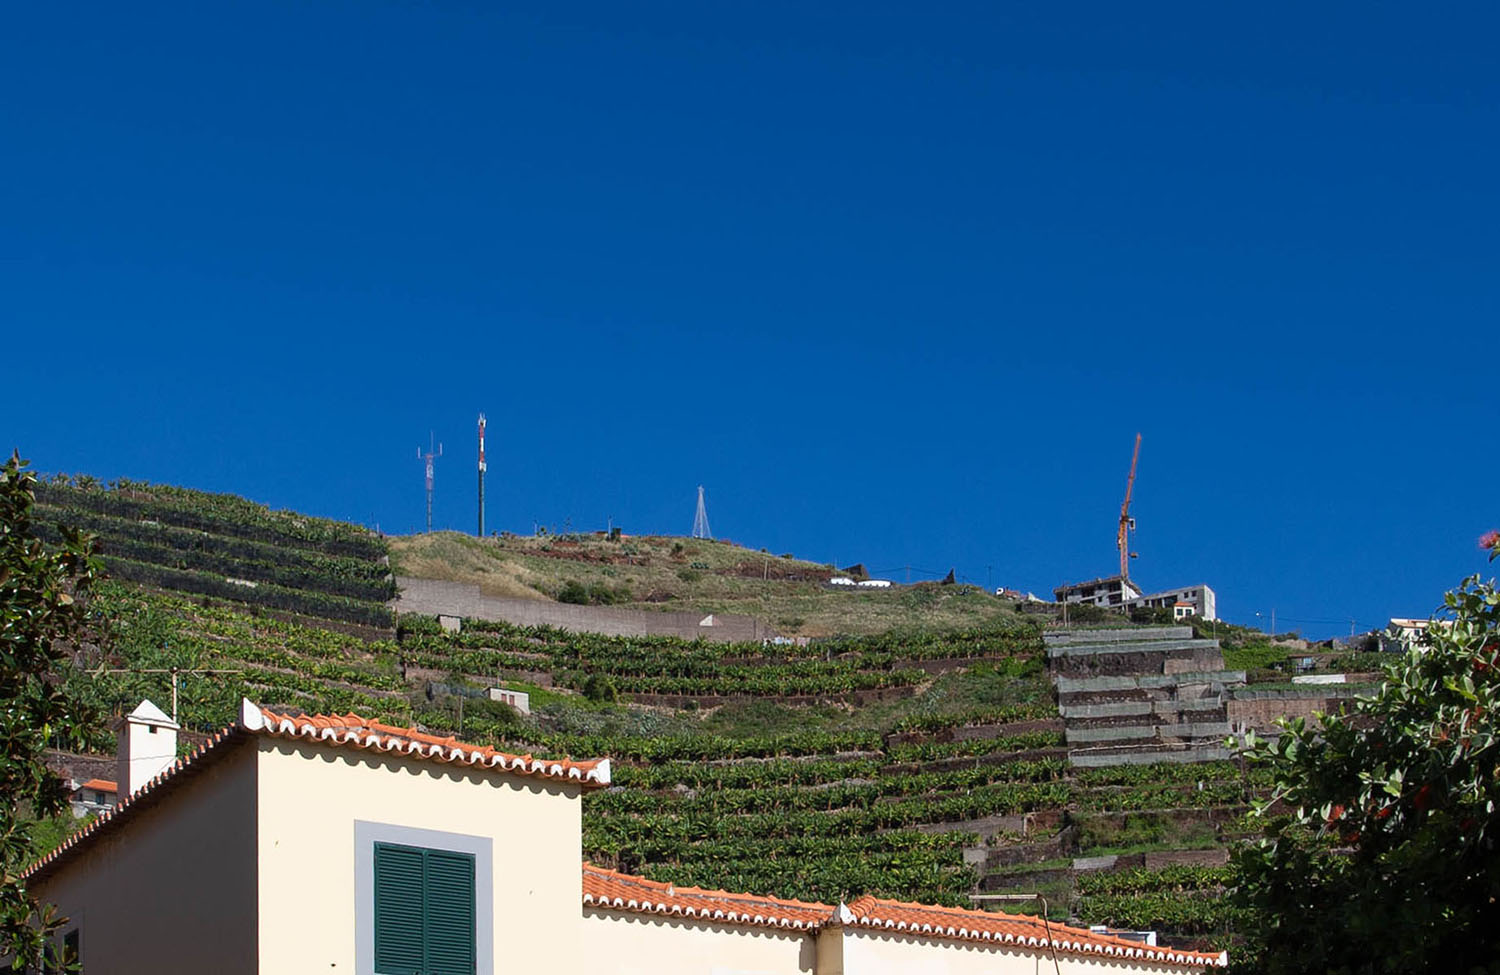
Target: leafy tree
x: 41, y: 604
x: 1380, y: 850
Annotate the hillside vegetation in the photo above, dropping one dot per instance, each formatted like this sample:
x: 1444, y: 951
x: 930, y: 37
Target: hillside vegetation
x: 919, y: 768
x: 222, y: 545
x: 669, y: 573
x: 918, y: 756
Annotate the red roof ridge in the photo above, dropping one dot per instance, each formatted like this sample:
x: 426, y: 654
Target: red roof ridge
x: 611, y: 889
x: 358, y: 732
x: 1020, y: 929
x: 346, y: 730
x: 614, y: 890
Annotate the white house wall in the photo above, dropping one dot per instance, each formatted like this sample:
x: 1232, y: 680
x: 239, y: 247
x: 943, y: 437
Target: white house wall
x: 173, y: 889
x: 314, y: 797
x: 623, y: 943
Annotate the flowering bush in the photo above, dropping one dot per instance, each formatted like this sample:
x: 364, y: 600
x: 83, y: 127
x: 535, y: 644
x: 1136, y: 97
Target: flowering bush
x: 1381, y: 847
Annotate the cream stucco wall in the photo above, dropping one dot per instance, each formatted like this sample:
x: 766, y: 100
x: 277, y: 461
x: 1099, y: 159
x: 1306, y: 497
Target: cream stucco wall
x: 311, y: 795
x: 637, y: 944
x: 624, y: 943
x: 875, y: 953
x: 171, y: 889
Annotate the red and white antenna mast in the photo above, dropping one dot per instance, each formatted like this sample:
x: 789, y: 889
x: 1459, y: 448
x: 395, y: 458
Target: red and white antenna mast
x: 481, y: 475
x: 431, y: 454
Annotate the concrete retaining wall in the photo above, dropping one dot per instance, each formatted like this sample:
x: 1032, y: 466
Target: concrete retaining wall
x: 435, y: 597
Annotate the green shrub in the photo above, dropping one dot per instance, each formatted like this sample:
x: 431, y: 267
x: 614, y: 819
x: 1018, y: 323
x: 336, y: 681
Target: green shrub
x: 600, y: 689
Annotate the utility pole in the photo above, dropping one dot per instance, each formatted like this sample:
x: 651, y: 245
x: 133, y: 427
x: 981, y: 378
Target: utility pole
x: 174, y: 671
x: 481, y: 479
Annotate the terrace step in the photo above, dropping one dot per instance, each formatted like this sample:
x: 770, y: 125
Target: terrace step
x: 1208, y: 729
x: 1139, y: 646
x: 1134, y: 634
x: 1147, y: 755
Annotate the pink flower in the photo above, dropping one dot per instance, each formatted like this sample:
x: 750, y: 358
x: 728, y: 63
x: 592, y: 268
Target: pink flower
x: 1490, y: 540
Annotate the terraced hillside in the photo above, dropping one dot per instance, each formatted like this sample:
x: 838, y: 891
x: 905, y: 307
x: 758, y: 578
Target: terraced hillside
x: 928, y: 768
x: 224, y: 546
x: 924, y: 762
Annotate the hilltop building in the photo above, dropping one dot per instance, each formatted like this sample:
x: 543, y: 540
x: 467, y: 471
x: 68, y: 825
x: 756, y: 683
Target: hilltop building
x: 292, y: 843
x: 1117, y: 592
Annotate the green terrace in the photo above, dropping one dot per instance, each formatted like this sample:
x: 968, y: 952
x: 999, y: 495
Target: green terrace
x: 920, y: 797
x: 226, y: 547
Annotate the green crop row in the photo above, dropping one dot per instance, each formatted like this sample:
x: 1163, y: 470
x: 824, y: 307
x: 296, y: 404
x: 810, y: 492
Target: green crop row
x: 1160, y: 910
x: 265, y: 594
x: 835, y: 877
x: 993, y: 800
x: 222, y: 546
x: 698, y: 747
x: 220, y: 514
x: 1177, y: 877
x: 927, y: 751
x: 287, y: 576
x: 975, y: 718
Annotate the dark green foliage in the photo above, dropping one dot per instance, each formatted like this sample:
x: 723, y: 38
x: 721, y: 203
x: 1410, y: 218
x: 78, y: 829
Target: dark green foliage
x: 1380, y: 854
x: 600, y: 689
x: 43, y: 594
x: 593, y: 594
x: 223, y: 546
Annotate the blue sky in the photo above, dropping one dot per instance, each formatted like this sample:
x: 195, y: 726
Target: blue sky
x: 897, y: 283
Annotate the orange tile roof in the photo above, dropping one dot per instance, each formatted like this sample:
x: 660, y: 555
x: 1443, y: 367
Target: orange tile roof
x: 100, y: 785
x: 348, y: 730
x: 612, y: 890
x: 1018, y: 929
x: 356, y: 732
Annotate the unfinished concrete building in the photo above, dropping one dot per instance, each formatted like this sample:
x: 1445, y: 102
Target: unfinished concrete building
x: 1147, y: 694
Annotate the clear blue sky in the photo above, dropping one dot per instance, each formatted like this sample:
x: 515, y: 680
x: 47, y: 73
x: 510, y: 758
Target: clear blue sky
x: 897, y: 283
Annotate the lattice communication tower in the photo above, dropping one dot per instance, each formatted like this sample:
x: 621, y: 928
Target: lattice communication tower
x: 700, y: 519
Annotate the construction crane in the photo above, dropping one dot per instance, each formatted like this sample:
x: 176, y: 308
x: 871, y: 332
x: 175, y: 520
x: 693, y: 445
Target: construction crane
x: 1127, y: 523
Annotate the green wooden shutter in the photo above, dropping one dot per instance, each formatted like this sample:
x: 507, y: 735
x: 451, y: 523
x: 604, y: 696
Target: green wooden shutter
x: 399, y: 909
x: 450, y: 913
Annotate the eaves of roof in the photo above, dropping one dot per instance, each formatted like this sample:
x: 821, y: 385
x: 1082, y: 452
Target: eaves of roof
x: 342, y: 731
x: 606, y: 889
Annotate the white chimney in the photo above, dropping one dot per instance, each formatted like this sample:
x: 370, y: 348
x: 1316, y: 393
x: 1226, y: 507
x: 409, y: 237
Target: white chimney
x: 148, y: 747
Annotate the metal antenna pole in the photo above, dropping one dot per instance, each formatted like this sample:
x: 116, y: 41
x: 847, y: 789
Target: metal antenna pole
x: 432, y: 453
x: 481, y: 475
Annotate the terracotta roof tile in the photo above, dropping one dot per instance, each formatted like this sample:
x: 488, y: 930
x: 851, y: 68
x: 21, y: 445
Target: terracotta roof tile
x: 353, y: 731
x: 622, y: 891
x: 100, y: 785
x: 1018, y: 929
x: 612, y: 890
x: 343, y: 730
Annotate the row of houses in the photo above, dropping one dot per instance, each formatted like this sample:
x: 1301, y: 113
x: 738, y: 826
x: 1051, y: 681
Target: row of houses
x: 292, y: 843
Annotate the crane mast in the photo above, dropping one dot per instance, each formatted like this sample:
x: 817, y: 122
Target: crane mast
x: 1127, y: 523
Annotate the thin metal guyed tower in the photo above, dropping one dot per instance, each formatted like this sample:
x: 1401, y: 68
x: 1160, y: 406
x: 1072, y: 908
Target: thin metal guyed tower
x: 700, y: 519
